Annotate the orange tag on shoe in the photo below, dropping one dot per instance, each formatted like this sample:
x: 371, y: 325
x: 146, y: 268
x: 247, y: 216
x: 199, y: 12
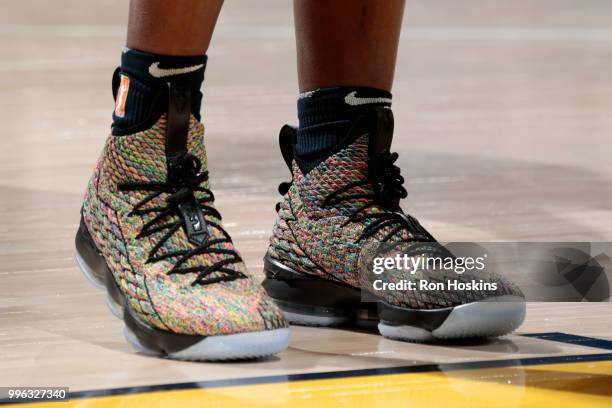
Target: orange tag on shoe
x: 122, y: 96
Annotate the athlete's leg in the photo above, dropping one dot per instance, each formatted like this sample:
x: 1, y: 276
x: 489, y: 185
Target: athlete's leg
x: 345, y: 48
x: 342, y: 206
x: 177, y: 27
x: 150, y: 234
x: 166, y: 42
x: 347, y: 42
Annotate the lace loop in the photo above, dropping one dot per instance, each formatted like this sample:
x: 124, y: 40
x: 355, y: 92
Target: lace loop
x: 184, y: 179
x: 387, y: 190
x: 387, y: 180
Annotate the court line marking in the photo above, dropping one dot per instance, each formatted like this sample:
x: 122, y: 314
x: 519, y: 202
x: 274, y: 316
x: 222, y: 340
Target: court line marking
x: 587, y: 358
x: 423, y: 368
x: 573, y: 339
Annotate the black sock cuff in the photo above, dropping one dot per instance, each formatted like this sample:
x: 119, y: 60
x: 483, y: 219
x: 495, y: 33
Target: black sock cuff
x: 325, y: 115
x: 140, y: 87
x: 329, y: 104
x: 162, y: 68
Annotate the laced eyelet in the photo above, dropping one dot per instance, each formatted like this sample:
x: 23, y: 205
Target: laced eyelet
x: 386, y: 185
x: 180, y: 187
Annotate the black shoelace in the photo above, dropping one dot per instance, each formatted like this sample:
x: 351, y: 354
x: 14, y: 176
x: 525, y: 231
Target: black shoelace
x: 388, y: 190
x: 180, y: 191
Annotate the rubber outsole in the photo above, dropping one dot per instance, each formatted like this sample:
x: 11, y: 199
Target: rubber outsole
x: 298, y: 295
x: 239, y: 346
x: 154, y: 342
x: 492, y: 317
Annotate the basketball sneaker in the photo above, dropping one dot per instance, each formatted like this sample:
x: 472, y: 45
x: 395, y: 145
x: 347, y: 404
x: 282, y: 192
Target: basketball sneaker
x: 338, y: 212
x: 151, y: 236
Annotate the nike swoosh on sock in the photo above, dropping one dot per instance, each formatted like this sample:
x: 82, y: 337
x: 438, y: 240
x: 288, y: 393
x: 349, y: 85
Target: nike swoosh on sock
x: 353, y: 100
x: 158, y: 72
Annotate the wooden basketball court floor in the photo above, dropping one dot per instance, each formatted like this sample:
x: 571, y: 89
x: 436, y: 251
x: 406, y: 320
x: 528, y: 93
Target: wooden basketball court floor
x: 504, y: 125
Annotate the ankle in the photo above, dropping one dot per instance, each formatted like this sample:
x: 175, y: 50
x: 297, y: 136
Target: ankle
x: 140, y: 88
x: 326, y: 115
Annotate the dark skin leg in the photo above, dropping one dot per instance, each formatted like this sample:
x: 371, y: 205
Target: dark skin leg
x: 176, y: 27
x: 347, y: 42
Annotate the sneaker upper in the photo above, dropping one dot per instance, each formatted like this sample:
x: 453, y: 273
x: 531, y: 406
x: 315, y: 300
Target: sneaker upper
x: 172, y: 283
x: 330, y: 220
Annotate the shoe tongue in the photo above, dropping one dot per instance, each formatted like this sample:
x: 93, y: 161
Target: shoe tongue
x: 377, y: 124
x: 369, y: 136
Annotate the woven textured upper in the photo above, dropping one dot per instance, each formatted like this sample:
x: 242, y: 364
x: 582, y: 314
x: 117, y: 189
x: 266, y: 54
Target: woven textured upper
x: 166, y: 301
x: 312, y: 237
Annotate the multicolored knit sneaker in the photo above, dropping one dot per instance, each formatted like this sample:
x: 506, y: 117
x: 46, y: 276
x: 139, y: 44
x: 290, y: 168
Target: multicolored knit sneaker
x: 338, y: 213
x: 152, y: 237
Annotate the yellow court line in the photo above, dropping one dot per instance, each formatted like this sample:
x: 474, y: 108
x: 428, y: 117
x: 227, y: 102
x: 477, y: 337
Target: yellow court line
x: 564, y: 385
